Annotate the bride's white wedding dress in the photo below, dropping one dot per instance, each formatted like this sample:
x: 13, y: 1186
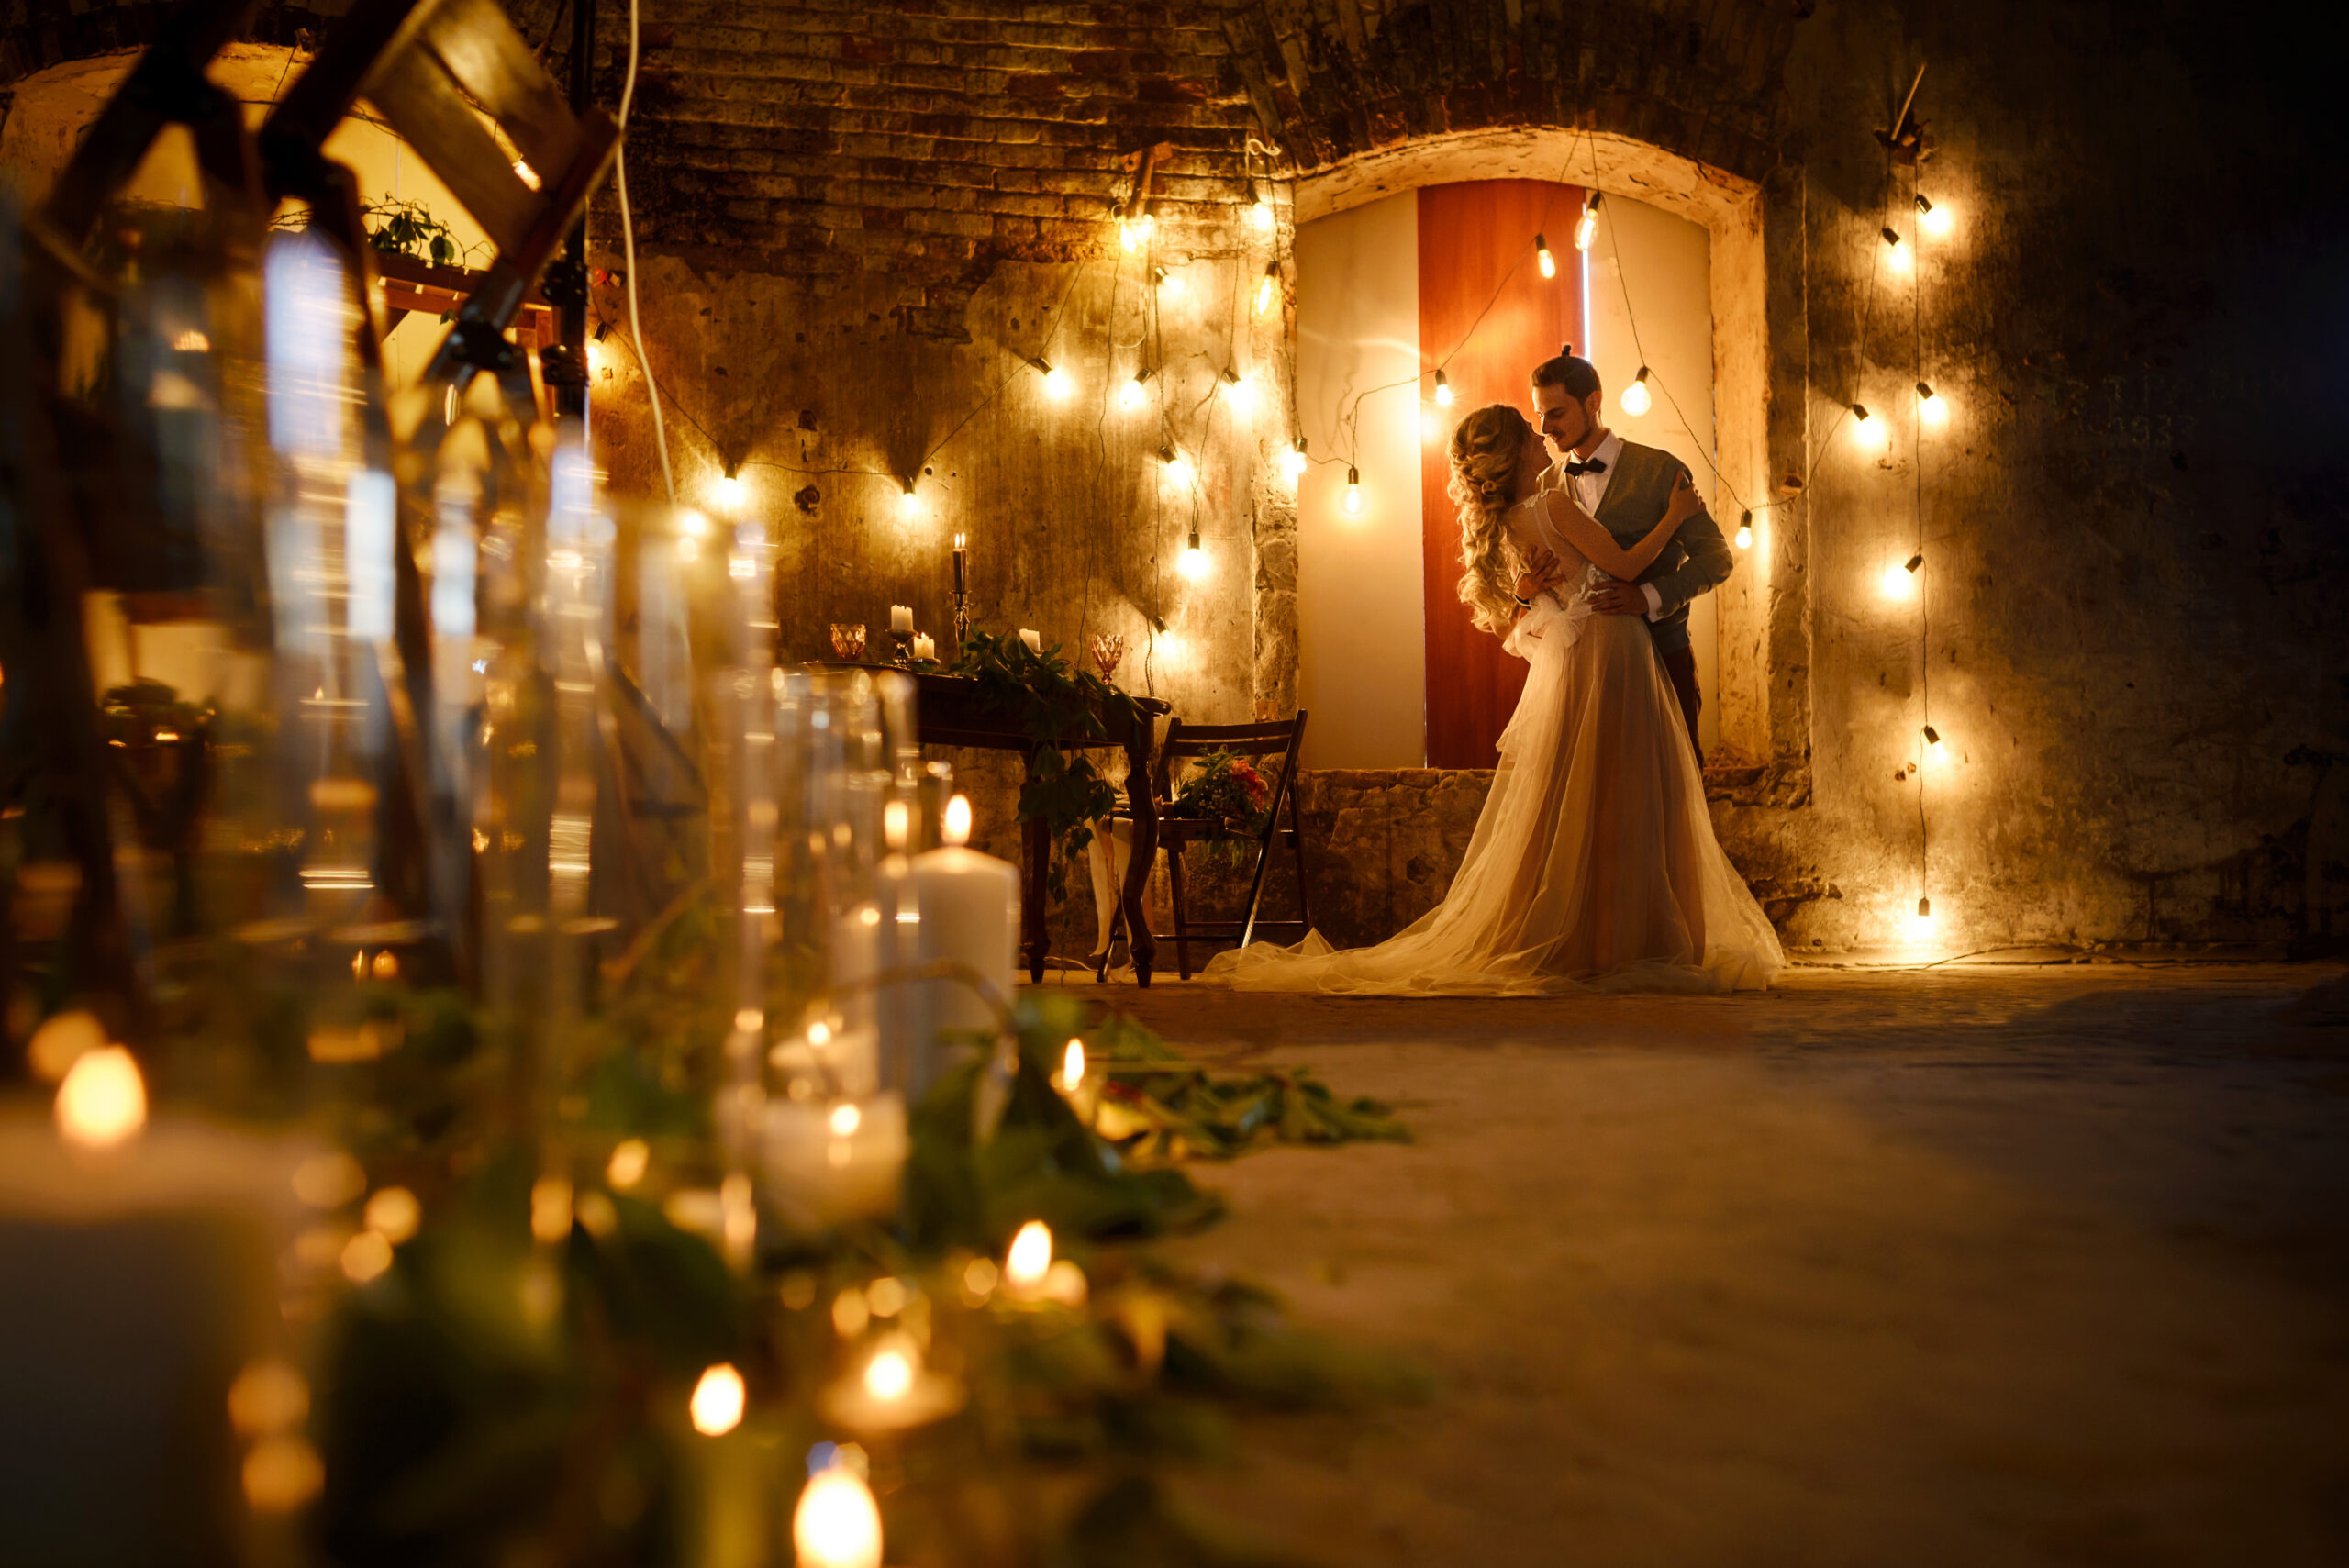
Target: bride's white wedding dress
x: 1594, y: 864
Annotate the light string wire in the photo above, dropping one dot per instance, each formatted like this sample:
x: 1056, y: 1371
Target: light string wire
x: 628, y: 252
x: 1924, y: 572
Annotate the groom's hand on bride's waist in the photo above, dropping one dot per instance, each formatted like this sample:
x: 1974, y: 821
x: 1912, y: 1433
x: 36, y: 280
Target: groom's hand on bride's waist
x: 1620, y: 599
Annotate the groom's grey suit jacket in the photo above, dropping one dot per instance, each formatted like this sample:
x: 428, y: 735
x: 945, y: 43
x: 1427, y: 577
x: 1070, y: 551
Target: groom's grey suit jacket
x: 1695, y: 560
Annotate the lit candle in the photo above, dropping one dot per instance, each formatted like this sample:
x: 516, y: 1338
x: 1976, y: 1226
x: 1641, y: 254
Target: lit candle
x: 837, y: 1524
x: 1081, y: 1089
x: 901, y: 618
x: 970, y: 910
x: 925, y: 646
x: 962, y: 559
x: 1035, y: 643
x: 831, y: 1163
x: 890, y: 1390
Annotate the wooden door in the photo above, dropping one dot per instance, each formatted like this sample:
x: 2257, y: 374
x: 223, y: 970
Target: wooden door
x: 1470, y: 236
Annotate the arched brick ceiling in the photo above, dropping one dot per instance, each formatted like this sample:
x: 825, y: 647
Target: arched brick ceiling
x: 1331, y: 79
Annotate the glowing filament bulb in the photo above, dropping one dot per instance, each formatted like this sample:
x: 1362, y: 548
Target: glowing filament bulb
x: 1029, y: 1258
x: 103, y: 1100
x: 1933, y: 220
x: 1895, y: 251
x: 1745, y: 531
x: 1135, y: 232
x: 1587, y: 226
x: 1131, y: 394
x: 1352, y: 504
x: 1636, y: 400
x: 1542, y: 258
x: 1178, y: 467
x: 1267, y: 287
x: 1056, y: 381
x: 1442, y: 391
x: 837, y: 1524
x: 909, y: 504
x: 1933, y: 749
x: 1238, y: 393
x: 1260, y: 215
x: 956, y: 827
x: 1169, y: 283
x: 1867, y: 434
x: 1294, y: 462
x: 718, y: 1401
x: 1193, y: 562
x: 1929, y: 406
x: 1071, y: 1076
x: 1920, y: 924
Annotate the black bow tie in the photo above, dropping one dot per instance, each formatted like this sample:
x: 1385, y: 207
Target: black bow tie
x: 1579, y: 469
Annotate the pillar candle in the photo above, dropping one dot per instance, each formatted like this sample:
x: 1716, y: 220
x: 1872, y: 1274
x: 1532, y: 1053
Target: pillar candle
x: 1035, y: 643
x: 925, y: 646
x: 831, y: 1162
x: 901, y: 618
x: 970, y: 916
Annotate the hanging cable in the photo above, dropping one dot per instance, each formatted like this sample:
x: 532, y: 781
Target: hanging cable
x: 628, y: 252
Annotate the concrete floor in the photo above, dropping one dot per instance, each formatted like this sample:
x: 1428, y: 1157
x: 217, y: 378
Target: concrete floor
x: 1975, y: 1265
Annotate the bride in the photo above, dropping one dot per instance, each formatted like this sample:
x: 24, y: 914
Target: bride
x: 1594, y: 864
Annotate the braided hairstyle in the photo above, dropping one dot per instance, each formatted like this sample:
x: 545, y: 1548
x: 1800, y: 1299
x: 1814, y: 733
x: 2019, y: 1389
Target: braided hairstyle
x: 1486, y: 448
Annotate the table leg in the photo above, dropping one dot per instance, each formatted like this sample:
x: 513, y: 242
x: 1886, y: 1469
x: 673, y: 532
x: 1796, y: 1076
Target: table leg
x: 1139, y: 942
x: 1032, y: 922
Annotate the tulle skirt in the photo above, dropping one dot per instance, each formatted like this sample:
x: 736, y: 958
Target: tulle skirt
x: 1594, y: 864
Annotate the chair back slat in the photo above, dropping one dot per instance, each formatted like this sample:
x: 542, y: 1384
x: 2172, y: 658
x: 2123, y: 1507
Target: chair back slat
x: 480, y: 50
x: 1186, y: 739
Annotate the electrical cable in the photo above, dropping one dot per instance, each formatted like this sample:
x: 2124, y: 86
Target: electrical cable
x: 628, y: 252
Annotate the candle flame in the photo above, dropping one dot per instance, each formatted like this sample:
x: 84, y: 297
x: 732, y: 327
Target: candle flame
x: 836, y: 1524
x: 897, y: 818
x: 718, y: 1401
x: 103, y: 1100
x: 268, y: 1397
x: 394, y: 1214
x: 957, y: 827
x: 889, y: 1375
x: 628, y: 1163
x: 1073, y: 1067
x: 1029, y: 1257
x: 846, y: 1119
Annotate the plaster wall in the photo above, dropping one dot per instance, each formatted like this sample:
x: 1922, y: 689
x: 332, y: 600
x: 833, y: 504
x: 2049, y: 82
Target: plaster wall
x: 1362, y: 665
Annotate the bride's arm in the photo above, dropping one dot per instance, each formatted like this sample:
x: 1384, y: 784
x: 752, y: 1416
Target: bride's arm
x: 1580, y: 530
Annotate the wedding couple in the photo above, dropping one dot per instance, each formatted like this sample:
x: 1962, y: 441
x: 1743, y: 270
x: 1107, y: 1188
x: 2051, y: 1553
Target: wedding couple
x: 1594, y: 864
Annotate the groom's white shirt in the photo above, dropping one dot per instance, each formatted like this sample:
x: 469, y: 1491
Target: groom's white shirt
x: 1590, y: 489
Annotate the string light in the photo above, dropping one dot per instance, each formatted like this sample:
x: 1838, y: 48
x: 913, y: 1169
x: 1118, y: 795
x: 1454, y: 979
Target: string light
x: 1168, y: 283
x: 1056, y: 381
x: 1900, y: 582
x: 1294, y: 462
x: 1352, y: 504
x: 1934, y: 752
x: 1866, y: 433
x: 1636, y: 400
x: 1442, y: 391
x: 1933, y: 220
x: 1134, y: 233
x: 909, y: 504
x: 1267, y: 287
x: 1929, y: 406
x: 1745, y: 531
x: 1260, y: 214
x: 730, y: 496
x: 1542, y: 258
x: 1131, y: 394
x: 1178, y: 467
x: 1587, y: 226
x: 1193, y: 564
x: 1238, y: 393
x: 1895, y: 251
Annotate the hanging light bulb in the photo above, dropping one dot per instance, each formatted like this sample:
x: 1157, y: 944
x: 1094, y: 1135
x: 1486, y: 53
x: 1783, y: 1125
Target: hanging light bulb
x: 1442, y: 391
x: 1260, y: 215
x: 1933, y: 220
x: 1169, y: 283
x: 1587, y: 226
x: 1294, y: 462
x: 1135, y: 233
x: 1056, y: 382
x: 1920, y: 924
x: 1636, y: 400
x: 1131, y: 394
x: 730, y: 496
x: 1899, y: 580
x: 1268, y: 286
x: 1867, y: 434
x: 1238, y: 392
x: 1352, y: 504
x: 1745, y: 531
x: 1542, y: 258
x: 1193, y: 564
x: 909, y: 504
x: 1178, y: 467
x: 1929, y: 406
x: 1895, y: 251
x: 1934, y: 752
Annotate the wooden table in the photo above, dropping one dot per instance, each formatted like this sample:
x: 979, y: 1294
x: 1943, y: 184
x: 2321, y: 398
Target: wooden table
x: 948, y: 713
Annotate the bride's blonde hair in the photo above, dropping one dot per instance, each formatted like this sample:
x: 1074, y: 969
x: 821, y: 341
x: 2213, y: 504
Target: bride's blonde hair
x: 1486, y: 448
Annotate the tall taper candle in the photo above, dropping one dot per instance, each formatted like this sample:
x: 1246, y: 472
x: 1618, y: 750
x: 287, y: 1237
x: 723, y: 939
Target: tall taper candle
x: 962, y: 556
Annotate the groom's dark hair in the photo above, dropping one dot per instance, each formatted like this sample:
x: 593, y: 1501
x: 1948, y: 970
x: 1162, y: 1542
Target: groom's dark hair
x: 1578, y: 376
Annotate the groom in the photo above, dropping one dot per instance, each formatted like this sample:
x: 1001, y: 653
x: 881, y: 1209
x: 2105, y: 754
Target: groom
x: 1627, y: 487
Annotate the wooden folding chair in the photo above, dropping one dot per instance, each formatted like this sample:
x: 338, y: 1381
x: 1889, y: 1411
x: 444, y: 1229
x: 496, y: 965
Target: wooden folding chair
x: 1286, y: 738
